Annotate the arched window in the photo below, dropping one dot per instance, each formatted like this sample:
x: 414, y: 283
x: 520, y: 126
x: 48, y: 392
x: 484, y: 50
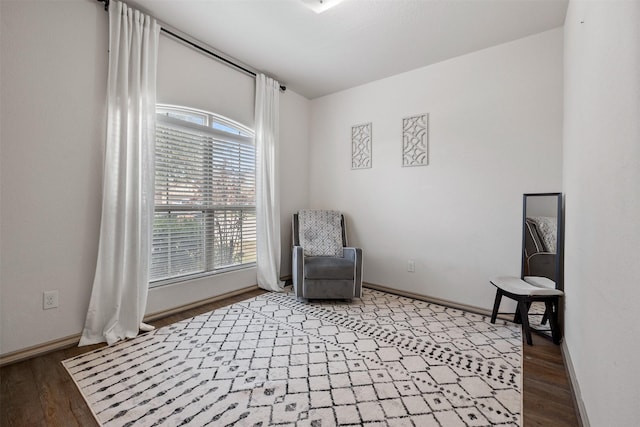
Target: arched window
x: 205, y: 202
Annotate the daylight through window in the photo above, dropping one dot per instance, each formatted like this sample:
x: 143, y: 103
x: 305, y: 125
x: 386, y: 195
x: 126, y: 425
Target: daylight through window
x: 205, y: 204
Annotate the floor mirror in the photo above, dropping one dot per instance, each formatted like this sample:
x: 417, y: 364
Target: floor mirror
x: 542, y: 245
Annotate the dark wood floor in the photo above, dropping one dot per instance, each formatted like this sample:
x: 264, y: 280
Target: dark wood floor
x: 39, y: 392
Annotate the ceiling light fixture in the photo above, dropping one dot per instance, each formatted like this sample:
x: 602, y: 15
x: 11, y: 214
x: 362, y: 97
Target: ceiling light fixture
x: 319, y: 6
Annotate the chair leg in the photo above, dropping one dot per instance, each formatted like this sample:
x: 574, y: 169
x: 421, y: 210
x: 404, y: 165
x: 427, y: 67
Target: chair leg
x: 516, y: 317
x: 524, y: 317
x: 545, y: 316
x: 496, y: 305
x: 552, y: 310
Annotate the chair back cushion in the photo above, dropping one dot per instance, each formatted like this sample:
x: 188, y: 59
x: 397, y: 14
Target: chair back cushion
x: 547, y: 230
x: 320, y: 232
x: 532, y: 243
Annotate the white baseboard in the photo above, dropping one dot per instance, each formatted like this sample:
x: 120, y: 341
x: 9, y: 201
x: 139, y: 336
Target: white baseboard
x: 40, y: 349
x: 440, y: 301
x: 73, y: 340
x: 165, y: 313
x: 581, y: 410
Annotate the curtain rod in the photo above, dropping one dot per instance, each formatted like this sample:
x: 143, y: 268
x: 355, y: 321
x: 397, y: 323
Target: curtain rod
x: 199, y: 47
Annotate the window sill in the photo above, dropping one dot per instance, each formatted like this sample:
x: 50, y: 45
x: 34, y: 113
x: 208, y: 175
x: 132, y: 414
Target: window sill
x: 177, y: 280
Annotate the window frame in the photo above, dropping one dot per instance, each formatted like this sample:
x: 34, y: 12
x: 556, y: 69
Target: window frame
x: 241, y: 135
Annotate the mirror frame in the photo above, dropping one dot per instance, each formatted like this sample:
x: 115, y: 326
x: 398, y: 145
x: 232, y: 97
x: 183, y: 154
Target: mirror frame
x: 559, y: 236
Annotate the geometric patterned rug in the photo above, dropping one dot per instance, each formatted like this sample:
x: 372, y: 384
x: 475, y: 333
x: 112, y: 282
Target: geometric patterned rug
x: 382, y: 360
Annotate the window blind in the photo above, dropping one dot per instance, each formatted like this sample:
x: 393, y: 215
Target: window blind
x: 204, y: 199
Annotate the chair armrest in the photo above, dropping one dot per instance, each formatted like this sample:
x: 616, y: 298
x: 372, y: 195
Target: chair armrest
x: 352, y: 253
x: 297, y: 269
x: 355, y: 255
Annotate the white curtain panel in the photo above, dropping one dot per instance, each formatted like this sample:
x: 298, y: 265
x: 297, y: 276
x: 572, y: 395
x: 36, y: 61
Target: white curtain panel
x: 267, y: 183
x: 120, y: 286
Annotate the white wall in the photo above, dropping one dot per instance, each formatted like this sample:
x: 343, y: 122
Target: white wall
x: 53, y: 87
x: 601, y: 182
x: 187, y: 77
x: 294, y: 167
x: 542, y: 206
x: 495, y: 120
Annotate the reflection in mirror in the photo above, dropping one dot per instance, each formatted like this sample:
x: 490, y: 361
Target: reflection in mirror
x: 541, y: 248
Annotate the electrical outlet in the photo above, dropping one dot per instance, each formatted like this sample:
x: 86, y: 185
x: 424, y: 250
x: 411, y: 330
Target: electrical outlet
x: 411, y: 266
x: 50, y: 300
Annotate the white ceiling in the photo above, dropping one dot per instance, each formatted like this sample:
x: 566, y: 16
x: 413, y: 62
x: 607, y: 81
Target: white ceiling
x: 356, y: 42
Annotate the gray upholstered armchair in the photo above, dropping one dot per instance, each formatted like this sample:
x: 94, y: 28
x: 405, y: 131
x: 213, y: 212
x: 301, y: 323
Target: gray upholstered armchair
x: 540, y: 247
x: 323, y: 267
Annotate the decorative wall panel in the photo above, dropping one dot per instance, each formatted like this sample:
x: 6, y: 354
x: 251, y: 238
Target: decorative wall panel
x: 415, y: 140
x: 361, y: 146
